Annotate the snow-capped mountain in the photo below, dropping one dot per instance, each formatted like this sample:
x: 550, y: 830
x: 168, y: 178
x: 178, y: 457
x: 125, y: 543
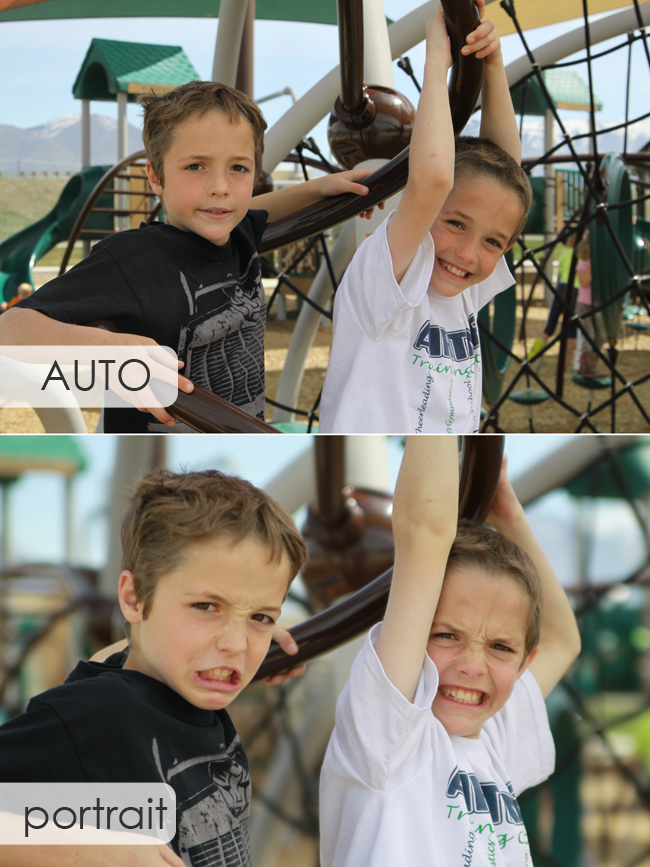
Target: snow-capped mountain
x: 56, y: 145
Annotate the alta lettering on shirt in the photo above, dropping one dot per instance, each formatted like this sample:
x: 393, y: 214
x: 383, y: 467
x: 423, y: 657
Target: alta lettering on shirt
x: 440, y: 343
x: 485, y: 798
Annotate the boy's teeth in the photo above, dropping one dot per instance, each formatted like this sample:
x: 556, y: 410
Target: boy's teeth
x: 452, y: 270
x: 466, y: 696
x: 218, y: 672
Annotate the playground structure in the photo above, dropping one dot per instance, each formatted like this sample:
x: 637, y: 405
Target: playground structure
x: 594, y: 807
x: 618, y: 266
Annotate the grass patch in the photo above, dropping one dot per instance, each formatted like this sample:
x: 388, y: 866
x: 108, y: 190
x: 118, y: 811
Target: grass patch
x: 23, y: 201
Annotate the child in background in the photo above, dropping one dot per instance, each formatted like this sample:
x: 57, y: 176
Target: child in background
x: 406, y: 354
x: 588, y: 364
x: 442, y: 723
x: 564, y: 267
x: 24, y: 291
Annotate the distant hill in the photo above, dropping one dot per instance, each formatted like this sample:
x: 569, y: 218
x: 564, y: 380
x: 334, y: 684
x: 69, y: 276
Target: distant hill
x: 56, y: 145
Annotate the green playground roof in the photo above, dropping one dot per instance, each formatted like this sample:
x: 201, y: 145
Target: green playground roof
x: 566, y: 89
x: 616, y: 476
x: 316, y: 11
x: 60, y: 454
x: 110, y: 67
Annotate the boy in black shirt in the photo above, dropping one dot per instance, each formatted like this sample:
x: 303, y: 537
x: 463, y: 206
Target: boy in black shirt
x: 207, y: 562
x: 193, y: 283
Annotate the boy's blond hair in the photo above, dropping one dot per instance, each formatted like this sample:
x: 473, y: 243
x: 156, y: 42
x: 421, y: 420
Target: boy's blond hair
x: 162, y: 114
x: 480, y: 156
x: 170, y: 511
x: 492, y: 554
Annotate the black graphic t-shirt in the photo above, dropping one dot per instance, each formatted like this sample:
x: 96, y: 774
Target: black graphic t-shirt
x: 109, y: 725
x: 204, y: 301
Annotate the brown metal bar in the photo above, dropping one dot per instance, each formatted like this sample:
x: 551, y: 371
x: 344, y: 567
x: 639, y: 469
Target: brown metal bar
x: 350, y: 20
x: 207, y: 413
x: 92, y: 198
x: 480, y: 470
x: 330, y: 462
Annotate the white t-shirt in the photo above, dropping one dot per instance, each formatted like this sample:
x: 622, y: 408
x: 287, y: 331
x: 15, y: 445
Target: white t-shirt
x: 404, y: 359
x: 396, y: 789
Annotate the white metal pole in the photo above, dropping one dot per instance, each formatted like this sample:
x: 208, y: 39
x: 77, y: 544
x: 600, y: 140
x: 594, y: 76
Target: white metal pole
x: 85, y: 153
x: 377, y: 60
x: 232, y: 15
x: 122, y: 152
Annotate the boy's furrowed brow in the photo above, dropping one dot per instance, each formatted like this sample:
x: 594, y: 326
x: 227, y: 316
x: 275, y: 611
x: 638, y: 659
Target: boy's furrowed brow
x: 209, y: 596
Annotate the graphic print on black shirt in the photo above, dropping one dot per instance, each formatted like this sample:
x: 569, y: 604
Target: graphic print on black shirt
x: 212, y: 805
x: 222, y: 343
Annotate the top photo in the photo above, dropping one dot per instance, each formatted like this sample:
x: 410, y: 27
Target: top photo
x: 341, y: 216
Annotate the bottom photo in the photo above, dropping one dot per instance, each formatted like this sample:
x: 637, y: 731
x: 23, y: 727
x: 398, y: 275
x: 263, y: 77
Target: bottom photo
x: 325, y: 650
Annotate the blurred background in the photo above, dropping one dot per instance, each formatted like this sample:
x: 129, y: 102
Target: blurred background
x: 588, y: 499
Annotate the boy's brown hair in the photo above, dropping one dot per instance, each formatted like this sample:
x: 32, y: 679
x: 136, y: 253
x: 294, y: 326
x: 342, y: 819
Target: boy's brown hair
x: 480, y: 156
x: 492, y: 554
x: 170, y: 511
x: 162, y: 114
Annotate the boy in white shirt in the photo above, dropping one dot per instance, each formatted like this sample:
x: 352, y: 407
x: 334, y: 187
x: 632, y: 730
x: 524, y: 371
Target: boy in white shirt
x: 405, y: 354
x: 441, y: 726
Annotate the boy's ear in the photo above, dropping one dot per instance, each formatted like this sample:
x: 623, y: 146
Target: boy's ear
x: 131, y: 608
x: 153, y: 180
x: 527, y: 661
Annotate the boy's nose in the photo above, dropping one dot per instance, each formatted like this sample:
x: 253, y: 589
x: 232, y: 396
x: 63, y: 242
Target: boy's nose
x: 472, y: 665
x: 232, y: 637
x: 467, y: 250
x: 218, y: 185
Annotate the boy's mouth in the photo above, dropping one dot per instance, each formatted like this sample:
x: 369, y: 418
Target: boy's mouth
x: 471, y: 697
x: 453, y: 270
x: 216, y: 212
x: 219, y: 678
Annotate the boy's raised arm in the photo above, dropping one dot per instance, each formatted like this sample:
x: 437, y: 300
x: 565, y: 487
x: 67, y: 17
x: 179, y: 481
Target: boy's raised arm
x: 279, y: 203
x: 559, y: 642
x: 425, y: 516
x: 498, y: 120
x: 431, y: 157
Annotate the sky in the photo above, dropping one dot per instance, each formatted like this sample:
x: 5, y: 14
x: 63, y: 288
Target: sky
x: 39, y: 62
x: 615, y: 548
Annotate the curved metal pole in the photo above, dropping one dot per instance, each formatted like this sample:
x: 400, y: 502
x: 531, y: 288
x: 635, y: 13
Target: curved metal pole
x: 480, y: 470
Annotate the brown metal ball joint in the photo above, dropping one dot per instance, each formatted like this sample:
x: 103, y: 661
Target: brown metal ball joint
x: 379, y: 128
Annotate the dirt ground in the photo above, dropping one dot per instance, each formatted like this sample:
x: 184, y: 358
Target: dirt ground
x: 550, y: 417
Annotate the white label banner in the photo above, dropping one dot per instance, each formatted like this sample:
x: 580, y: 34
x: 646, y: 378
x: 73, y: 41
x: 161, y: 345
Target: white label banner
x: 90, y: 814
x: 88, y: 376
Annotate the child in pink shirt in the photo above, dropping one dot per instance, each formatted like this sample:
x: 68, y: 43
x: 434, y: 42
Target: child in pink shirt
x: 592, y: 324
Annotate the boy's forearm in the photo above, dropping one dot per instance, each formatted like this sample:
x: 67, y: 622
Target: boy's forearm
x: 425, y: 511
x: 498, y: 119
x: 26, y: 327
x: 279, y: 203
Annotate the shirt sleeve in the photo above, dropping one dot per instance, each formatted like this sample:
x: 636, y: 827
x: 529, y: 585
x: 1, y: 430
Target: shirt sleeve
x: 96, y: 288
x: 498, y: 281
x: 36, y: 747
x: 379, y: 734
x: 381, y: 305
x: 521, y: 735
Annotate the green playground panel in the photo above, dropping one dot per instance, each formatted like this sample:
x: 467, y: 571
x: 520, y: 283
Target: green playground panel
x: 20, y: 252
x: 609, y: 274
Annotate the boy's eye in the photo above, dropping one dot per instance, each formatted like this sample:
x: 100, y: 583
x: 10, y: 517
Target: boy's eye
x: 205, y: 606
x: 494, y: 242
x: 193, y: 167
x: 455, y: 223
x: 443, y: 635
x: 241, y: 169
x: 503, y: 648
x: 263, y: 618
